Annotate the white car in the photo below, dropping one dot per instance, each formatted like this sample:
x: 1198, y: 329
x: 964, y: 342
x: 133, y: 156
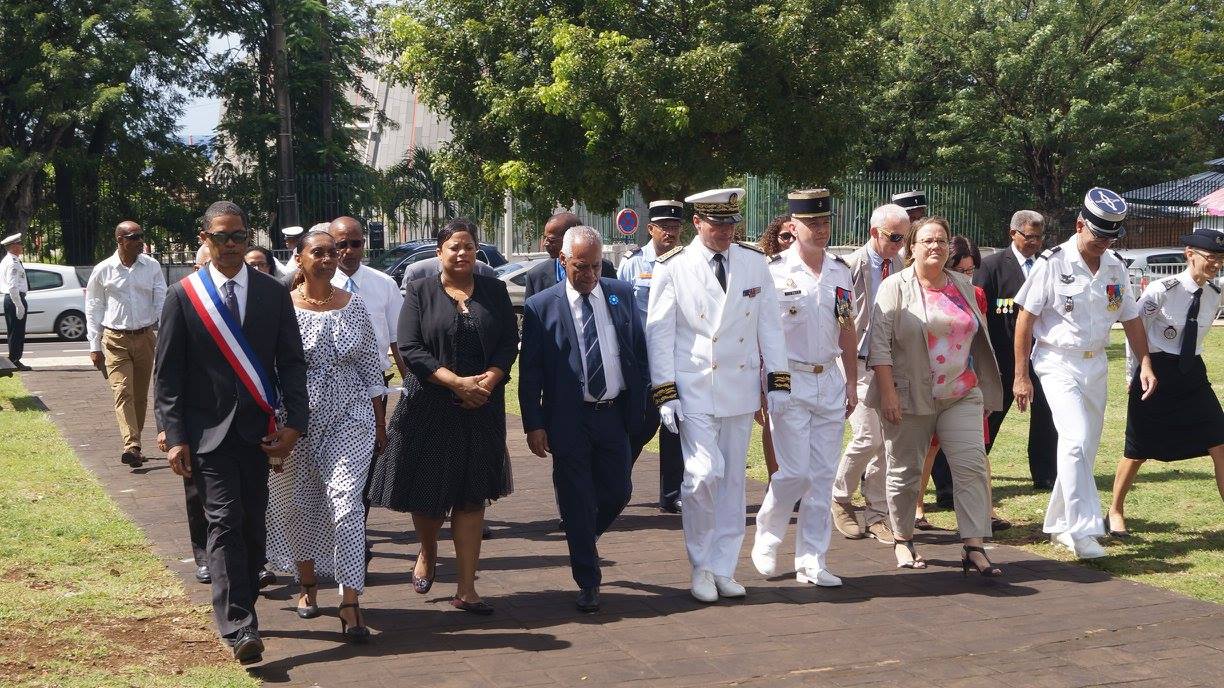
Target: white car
x: 514, y: 274
x: 56, y: 300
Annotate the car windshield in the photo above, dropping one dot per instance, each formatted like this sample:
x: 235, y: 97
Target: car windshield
x: 387, y: 259
x: 503, y: 270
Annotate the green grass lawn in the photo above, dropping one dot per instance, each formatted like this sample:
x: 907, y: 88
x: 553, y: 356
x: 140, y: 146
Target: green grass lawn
x: 1174, y: 512
x: 83, y: 600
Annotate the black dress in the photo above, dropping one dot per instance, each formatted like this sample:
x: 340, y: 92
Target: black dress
x: 1181, y: 420
x: 439, y: 456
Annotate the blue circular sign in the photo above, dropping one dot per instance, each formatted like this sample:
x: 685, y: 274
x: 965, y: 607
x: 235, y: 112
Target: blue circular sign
x: 627, y: 221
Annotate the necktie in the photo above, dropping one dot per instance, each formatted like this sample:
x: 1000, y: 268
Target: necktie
x: 720, y: 270
x: 885, y: 269
x: 560, y: 272
x: 351, y: 286
x: 595, y: 382
x: 231, y: 301
x: 1190, y: 333
x: 1028, y: 265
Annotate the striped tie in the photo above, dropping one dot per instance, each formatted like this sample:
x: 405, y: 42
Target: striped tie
x: 595, y: 382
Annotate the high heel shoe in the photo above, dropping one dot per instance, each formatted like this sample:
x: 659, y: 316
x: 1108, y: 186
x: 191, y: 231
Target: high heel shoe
x: 990, y: 571
x: 311, y: 610
x: 915, y: 562
x: 357, y: 633
x: 422, y: 584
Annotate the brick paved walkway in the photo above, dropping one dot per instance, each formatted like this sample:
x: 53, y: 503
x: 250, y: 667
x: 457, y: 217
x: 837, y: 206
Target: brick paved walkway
x: 1046, y: 624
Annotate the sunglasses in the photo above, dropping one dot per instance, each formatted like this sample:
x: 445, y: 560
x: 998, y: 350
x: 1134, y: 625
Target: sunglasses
x: 132, y: 237
x: 896, y: 238
x: 239, y: 236
x: 349, y: 243
x: 786, y: 236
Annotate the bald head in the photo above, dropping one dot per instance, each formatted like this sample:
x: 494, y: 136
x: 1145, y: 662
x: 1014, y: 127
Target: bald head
x: 350, y: 243
x: 343, y: 223
x: 554, y: 231
x: 129, y: 239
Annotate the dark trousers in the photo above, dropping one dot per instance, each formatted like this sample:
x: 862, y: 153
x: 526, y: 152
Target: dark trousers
x: 197, y: 524
x: 15, y: 327
x: 671, y: 461
x: 592, y: 478
x: 1042, y: 441
x: 233, y: 480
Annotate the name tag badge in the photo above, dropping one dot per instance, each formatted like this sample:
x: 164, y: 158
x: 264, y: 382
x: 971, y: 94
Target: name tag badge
x: 792, y: 292
x: 750, y: 293
x: 645, y: 275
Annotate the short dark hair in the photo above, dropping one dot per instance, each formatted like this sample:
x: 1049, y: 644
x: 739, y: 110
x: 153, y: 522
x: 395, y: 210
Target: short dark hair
x: 221, y: 208
x: 459, y: 224
x: 266, y: 254
x: 960, y: 246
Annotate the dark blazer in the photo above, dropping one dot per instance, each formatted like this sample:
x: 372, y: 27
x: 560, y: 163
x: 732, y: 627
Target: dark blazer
x: 426, y: 333
x: 196, y: 389
x: 1001, y: 277
x: 550, y: 372
x: 544, y: 276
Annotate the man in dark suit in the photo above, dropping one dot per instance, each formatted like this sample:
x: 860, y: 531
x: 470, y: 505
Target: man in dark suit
x: 216, y: 420
x: 582, y: 389
x: 1000, y: 277
x: 552, y: 271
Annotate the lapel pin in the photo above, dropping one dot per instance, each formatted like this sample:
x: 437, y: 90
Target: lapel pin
x: 613, y: 299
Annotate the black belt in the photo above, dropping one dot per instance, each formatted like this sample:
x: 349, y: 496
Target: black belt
x: 601, y: 405
x: 141, y: 330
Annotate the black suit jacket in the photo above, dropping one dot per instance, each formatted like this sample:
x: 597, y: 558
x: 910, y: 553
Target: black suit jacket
x: 550, y: 372
x: 1001, y: 278
x: 544, y: 276
x: 427, y: 326
x: 199, y: 399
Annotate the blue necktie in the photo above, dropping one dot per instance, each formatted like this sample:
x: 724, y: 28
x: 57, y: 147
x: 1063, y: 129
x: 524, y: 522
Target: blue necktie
x: 596, y: 384
x: 231, y: 301
x: 1028, y: 265
x: 351, y: 286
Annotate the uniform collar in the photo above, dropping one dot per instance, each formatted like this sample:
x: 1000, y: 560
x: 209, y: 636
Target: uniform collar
x: 708, y: 254
x: 1188, y: 282
x: 648, y: 251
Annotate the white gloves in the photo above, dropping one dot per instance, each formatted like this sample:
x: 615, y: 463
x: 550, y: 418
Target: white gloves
x: 670, y: 413
x: 778, y: 400
x: 19, y: 307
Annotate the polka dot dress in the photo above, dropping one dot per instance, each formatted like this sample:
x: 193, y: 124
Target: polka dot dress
x: 441, y: 457
x: 315, y: 512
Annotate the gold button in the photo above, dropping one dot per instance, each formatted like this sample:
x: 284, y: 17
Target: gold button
x: 713, y: 366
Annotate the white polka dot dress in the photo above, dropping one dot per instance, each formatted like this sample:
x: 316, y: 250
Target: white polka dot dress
x: 315, y: 511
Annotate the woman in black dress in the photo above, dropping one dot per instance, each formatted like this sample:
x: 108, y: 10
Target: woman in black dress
x: 446, y: 447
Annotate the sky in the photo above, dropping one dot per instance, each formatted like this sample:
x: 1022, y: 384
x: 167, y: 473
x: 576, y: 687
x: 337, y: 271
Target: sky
x: 200, y: 115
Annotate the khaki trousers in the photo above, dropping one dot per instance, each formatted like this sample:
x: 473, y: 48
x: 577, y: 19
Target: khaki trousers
x: 958, y: 422
x: 864, y: 456
x: 129, y: 367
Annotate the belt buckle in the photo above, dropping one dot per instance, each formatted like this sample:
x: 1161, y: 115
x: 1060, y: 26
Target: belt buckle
x: 1089, y: 354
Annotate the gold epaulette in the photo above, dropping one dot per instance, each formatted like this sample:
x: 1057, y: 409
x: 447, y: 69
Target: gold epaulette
x: 752, y: 247
x: 668, y: 256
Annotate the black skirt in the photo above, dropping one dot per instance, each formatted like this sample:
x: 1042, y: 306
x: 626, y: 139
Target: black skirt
x: 1181, y: 420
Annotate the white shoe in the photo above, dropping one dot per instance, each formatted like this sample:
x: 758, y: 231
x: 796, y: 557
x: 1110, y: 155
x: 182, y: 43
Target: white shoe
x: 704, y: 589
x: 764, y: 557
x: 1063, y: 540
x: 729, y: 587
x: 1087, y: 547
x: 819, y: 577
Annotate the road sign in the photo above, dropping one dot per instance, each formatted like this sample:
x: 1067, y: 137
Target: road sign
x: 627, y: 221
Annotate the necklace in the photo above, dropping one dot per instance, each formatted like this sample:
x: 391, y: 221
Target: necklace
x: 315, y: 302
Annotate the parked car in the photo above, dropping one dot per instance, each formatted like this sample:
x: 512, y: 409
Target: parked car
x: 515, y: 276
x: 56, y: 300
x: 396, y: 260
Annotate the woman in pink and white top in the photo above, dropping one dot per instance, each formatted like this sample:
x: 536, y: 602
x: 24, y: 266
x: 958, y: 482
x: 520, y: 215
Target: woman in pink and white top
x: 935, y: 372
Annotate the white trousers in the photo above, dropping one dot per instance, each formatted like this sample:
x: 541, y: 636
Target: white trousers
x: 1076, y: 388
x: 713, y: 489
x: 864, y: 457
x: 807, y: 438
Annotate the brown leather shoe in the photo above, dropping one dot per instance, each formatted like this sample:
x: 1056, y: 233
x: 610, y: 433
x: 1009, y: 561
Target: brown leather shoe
x: 880, y: 531
x: 845, y: 521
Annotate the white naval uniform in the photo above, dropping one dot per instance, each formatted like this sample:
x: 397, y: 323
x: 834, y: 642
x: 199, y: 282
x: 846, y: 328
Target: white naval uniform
x: 807, y: 435
x: 1074, y: 314
x: 710, y: 346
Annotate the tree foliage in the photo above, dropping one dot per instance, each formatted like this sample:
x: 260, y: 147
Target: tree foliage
x: 416, y: 189
x: 1058, y: 96
x: 564, y: 101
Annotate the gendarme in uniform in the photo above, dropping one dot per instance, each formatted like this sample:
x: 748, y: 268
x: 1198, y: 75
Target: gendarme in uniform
x: 713, y: 317
x: 1070, y: 308
x: 13, y: 288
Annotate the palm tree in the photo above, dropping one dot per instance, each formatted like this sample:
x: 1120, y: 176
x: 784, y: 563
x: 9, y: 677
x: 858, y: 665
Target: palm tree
x: 414, y: 185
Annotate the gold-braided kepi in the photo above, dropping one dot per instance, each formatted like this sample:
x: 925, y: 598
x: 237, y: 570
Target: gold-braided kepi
x: 810, y: 203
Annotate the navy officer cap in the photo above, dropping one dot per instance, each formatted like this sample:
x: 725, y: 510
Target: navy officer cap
x: 1105, y: 213
x: 1205, y: 238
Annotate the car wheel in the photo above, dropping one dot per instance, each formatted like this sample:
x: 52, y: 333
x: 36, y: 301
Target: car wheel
x: 71, y: 326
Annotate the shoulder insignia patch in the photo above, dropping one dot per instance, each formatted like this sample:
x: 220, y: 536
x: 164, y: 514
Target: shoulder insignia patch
x: 1169, y: 283
x: 1049, y: 252
x: 775, y: 258
x: 1119, y: 257
x: 669, y: 255
x: 751, y: 247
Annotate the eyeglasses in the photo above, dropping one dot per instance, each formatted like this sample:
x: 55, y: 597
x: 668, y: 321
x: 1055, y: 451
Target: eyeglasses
x: 1108, y: 241
x: 1213, y: 258
x: 896, y: 238
x: 1031, y: 237
x: 132, y: 237
x: 349, y: 243
x: 238, y: 236
x: 786, y: 236
x: 931, y: 243
x: 965, y: 271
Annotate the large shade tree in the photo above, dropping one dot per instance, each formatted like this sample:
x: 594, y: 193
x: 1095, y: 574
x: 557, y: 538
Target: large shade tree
x: 565, y: 101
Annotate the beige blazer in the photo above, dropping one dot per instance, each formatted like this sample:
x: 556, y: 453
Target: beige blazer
x: 899, y: 339
x: 859, y: 263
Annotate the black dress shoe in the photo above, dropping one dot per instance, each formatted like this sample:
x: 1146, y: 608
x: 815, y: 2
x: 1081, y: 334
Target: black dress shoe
x: 21, y: 366
x: 266, y: 578
x: 486, y: 533
x: 561, y: 525
x: 588, y: 600
x: 248, y: 647
x: 670, y: 506
x: 202, y: 575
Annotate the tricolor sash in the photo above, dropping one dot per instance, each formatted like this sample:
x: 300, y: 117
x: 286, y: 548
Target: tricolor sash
x: 226, y: 332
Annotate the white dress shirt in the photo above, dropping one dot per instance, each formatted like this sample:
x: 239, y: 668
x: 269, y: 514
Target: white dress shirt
x: 609, y: 347
x: 1021, y: 259
x: 12, y: 275
x: 119, y: 297
x: 240, y: 287
x: 1164, y: 307
x: 382, y: 300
